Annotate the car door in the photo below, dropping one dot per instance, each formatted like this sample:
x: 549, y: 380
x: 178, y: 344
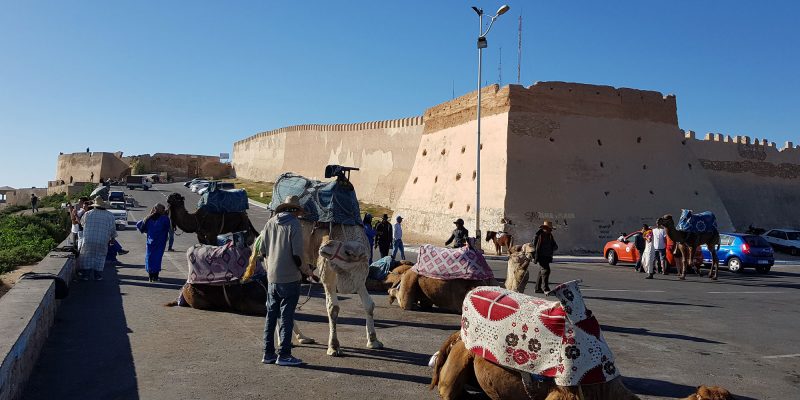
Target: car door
x: 725, y: 246
x: 631, y: 254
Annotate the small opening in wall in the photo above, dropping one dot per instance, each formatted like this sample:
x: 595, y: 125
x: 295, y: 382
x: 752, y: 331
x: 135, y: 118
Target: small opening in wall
x: 652, y: 192
x: 468, y: 207
x: 570, y: 89
x: 602, y: 165
x: 443, y: 152
x: 639, y: 139
x: 415, y: 179
x: 481, y: 146
x: 436, y: 179
x: 690, y: 165
x: 599, y: 142
x: 474, y: 175
x: 463, y: 149
x: 424, y: 152
x: 683, y: 142
x: 458, y: 176
x: 552, y: 140
x: 551, y: 88
x: 696, y: 193
x: 606, y: 193
x: 596, y: 92
x: 644, y: 166
x: 451, y: 205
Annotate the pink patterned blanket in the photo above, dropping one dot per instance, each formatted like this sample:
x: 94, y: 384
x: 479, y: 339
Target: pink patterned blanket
x: 560, y: 340
x: 216, y: 265
x: 447, y: 264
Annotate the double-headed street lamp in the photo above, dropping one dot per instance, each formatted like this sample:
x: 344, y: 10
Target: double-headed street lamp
x: 482, y: 44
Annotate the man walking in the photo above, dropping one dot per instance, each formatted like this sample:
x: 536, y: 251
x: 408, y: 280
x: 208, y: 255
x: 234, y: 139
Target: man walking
x: 660, y: 249
x: 98, y: 230
x: 459, y: 236
x: 34, y: 203
x: 383, y: 236
x: 398, y: 239
x: 282, y: 245
x: 544, y: 245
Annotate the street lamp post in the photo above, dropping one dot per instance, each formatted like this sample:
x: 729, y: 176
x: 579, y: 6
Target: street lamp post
x: 482, y: 44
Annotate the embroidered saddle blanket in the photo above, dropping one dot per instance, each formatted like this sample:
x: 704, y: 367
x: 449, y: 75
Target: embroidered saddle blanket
x: 700, y: 222
x: 448, y: 264
x: 216, y: 265
x: 553, y: 339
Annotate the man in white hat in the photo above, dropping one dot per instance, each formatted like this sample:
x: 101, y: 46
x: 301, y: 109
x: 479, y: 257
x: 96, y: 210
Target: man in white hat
x: 282, y: 247
x: 98, y: 230
x: 544, y: 245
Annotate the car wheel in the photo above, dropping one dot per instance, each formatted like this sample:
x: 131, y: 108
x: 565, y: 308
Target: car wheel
x: 612, y: 257
x: 735, y: 264
x: 762, y: 269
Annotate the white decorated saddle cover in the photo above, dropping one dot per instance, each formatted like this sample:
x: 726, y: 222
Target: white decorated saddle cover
x: 216, y: 265
x: 448, y: 264
x: 556, y: 339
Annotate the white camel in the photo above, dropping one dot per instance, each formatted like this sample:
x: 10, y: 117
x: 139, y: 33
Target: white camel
x: 340, y: 254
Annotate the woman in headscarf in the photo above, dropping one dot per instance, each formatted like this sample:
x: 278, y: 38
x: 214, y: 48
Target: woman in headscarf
x: 156, y: 226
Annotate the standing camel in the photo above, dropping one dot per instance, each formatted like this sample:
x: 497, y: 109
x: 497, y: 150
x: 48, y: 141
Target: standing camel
x: 505, y: 240
x: 688, y: 243
x: 340, y: 253
x: 207, y: 225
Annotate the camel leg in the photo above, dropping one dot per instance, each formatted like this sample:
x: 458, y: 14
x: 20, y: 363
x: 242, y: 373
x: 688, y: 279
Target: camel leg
x: 369, y: 307
x: 714, y: 264
x: 302, y: 339
x: 332, y: 306
x: 682, y: 273
x: 455, y: 372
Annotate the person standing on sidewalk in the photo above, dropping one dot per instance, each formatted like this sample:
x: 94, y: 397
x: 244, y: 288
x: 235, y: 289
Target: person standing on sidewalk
x: 398, y: 239
x: 648, y: 254
x: 383, y: 236
x: 282, y: 246
x: 544, y: 245
x: 156, y: 226
x: 34, y: 203
x: 98, y: 229
x: 660, y: 249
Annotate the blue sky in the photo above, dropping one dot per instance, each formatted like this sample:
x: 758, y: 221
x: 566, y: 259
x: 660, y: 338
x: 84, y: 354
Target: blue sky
x: 194, y: 76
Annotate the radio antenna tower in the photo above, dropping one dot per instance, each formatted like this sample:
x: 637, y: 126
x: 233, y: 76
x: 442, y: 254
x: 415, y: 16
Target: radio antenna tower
x: 519, y: 51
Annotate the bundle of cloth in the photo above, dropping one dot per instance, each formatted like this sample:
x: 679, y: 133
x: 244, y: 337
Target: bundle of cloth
x: 217, y: 265
x: 448, y: 264
x: 700, y: 222
x: 559, y: 340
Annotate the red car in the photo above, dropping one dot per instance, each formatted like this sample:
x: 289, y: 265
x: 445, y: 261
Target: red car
x: 625, y: 251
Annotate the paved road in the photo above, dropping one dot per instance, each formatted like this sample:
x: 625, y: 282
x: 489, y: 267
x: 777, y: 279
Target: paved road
x: 115, y: 340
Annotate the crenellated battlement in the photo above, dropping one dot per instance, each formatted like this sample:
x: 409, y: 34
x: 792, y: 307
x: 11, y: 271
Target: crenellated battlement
x: 739, y: 139
x: 359, y: 126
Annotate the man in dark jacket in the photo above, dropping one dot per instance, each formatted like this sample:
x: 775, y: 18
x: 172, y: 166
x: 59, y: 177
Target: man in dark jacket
x: 638, y: 242
x: 544, y: 245
x: 459, y: 236
x: 383, y: 235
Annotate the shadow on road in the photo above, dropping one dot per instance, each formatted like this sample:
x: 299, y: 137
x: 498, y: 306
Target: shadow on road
x: 639, y: 301
x: 371, y: 373
x: 647, y: 332
x: 88, y: 353
x: 379, y: 323
x: 655, y: 387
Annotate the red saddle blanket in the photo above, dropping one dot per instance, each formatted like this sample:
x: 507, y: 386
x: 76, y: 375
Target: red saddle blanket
x: 556, y: 339
x: 216, y: 264
x: 447, y: 264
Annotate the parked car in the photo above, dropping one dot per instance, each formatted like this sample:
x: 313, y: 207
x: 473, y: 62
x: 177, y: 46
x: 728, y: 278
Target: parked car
x: 741, y: 250
x: 220, y: 185
x: 787, y: 240
x: 189, y: 183
x: 130, y: 202
x: 195, y: 187
x: 617, y: 251
x: 116, y: 195
x: 120, y: 212
x: 138, y: 181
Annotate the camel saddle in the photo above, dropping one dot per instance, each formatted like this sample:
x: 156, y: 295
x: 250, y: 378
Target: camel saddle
x: 448, y: 264
x: 551, y: 339
x: 326, y: 202
x: 220, y: 201
x: 216, y: 265
x: 697, y: 223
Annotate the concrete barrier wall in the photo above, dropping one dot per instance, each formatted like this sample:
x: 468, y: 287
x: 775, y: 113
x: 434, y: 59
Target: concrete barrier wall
x: 383, y: 150
x: 27, y: 313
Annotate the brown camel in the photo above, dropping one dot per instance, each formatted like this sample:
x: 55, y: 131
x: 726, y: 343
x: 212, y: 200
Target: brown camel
x: 454, y: 366
x: 391, y: 280
x: 688, y: 243
x: 506, y: 240
x: 207, y: 225
x: 422, y: 292
x: 518, y: 262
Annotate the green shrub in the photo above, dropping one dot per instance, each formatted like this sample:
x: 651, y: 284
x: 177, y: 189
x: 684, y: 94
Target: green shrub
x: 53, y: 200
x: 26, y: 239
x: 87, y: 190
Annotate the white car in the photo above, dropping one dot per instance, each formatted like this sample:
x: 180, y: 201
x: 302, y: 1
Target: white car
x: 120, y: 212
x: 195, y: 187
x: 787, y: 240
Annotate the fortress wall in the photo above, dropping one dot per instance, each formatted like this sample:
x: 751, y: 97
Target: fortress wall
x: 89, y: 167
x: 383, y: 150
x: 758, y: 182
x: 181, y: 166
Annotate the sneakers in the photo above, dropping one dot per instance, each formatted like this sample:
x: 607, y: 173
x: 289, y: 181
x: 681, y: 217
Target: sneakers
x: 269, y: 359
x: 123, y: 252
x: 289, y: 361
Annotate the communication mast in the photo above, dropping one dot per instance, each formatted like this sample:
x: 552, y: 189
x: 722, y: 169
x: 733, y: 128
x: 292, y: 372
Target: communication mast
x: 519, y: 51
x: 500, y: 69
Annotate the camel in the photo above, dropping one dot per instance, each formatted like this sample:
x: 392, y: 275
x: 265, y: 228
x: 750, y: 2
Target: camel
x: 340, y: 253
x: 391, y: 280
x: 207, y: 225
x: 687, y: 243
x: 454, y: 366
x: 518, y: 261
x: 421, y: 292
x: 506, y: 240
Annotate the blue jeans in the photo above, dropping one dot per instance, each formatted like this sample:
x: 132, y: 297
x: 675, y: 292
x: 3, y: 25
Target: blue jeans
x: 282, y: 300
x: 398, y: 245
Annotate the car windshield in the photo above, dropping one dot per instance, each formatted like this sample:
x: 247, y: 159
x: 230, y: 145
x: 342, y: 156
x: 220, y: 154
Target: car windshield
x: 756, y: 241
x: 793, y: 235
x: 118, y: 206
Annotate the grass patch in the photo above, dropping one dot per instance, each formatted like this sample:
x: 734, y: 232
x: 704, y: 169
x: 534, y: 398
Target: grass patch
x: 26, y: 239
x: 255, y: 188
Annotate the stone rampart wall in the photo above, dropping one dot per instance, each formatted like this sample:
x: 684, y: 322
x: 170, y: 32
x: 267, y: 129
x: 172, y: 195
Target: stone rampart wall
x: 90, y: 167
x: 383, y: 150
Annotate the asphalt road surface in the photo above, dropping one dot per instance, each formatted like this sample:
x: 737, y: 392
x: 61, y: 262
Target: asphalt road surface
x: 114, y: 339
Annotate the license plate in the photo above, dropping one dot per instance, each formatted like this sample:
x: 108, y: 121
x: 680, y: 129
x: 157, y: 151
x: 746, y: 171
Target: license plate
x: 763, y: 261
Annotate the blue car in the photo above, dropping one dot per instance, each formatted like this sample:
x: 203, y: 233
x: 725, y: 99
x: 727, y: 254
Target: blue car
x: 739, y: 250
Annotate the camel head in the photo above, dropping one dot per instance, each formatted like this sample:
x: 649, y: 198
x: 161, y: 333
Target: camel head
x: 710, y: 393
x: 519, y: 256
x: 666, y: 221
x: 344, y: 253
x: 175, y: 200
